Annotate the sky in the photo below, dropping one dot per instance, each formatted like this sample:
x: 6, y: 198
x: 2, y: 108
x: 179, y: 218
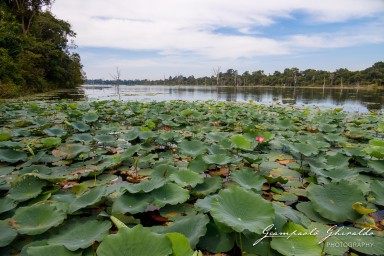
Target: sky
x: 155, y: 39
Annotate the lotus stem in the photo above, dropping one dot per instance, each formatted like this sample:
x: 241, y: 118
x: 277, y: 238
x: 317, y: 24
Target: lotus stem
x: 118, y: 223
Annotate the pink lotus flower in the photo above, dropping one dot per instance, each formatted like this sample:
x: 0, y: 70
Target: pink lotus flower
x: 166, y: 128
x: 260, y: 139
x: 168, y: 110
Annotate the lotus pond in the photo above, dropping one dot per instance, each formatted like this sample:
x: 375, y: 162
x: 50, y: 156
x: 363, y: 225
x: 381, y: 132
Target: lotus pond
x: 189, y: 178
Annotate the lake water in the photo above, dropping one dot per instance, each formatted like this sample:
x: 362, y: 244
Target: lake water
x: 361, y: 100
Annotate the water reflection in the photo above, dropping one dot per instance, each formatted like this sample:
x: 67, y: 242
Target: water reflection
x: 360, y: 100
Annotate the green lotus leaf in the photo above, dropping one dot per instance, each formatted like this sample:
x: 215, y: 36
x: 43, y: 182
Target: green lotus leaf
x: 57, y: 132
x: 132, y: 134
x: 5, y: 136
x: 7, y: 234
x: 84, y: 137
x: 90, y: 197
x: 36, y: 169
x: 80, y: 126
x: 377, y: 166
x: 252, y: 158
x: 285, y: 196
x: 241, y: 142
x: 375, y: 148
x: 50, y: 142
x: 332, y: 137
x: 169, y: 194
x: 296, y: 245
x: 248, y: 179
x: 90, y: 117
x: 80, y: 233
x: 204, y: 204
x: 216, y: 240
x: 105, y: 138
x: 7, y: 204
x: 337, y: 160
x: 170, y: 123
x: 12, y: 145
x: 192, y: 148
x: 219, y: 159
x: 377, y: 188
x: 307, y: 209
x: 339, y: 173
x: 145, y: 135
x: 131, y: 203
x: 70, y: 151
x: 193, y: 227
x: 175, y: 212
x: 12, y: 156
x: 135, y: 241
x: 209, y: 186
x: 285, y: 123
x: 242, y: 210
x: 187, y: 178
x: 145, y: 186
x: 328, y: 128
x: 304, y: 149
x: 198, y: 165
x: 180, y: 244
x: 38, y: 218
x: 26, y: 187
x: 49, y: 250
x: 334, y: 201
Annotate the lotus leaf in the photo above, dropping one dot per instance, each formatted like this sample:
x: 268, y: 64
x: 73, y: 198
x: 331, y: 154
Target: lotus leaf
x: 209, y: 186
x: 187, y: 178
x: 304, y: 149
x: 302, y: 244
x: 242, y: 210
x: 51, y: 142
x: 180, y: 244
x: 241, y: 142
x: 377, y: 188
x: 38, y: 218
x: 337, y: 161
x: 49, y: 250
x: 216, y: 240
x: 377, y: 166
x: 219, y: 159
x: 169, y: 194
x: 131, y: 203
x: 334, y: 201
x: 193, y: 227
x: 205, y: 204
x: 135, y: 241
x: 80, y: 126
x: 85, y: 137
x: 7, y: 204
x: 192, y: 148
x: 70, y: 151
x: 105, y: 138
x: 145, y: 185
x: 248, y: 179
x: 90, y: 197
x: 26, y: 187
x: 12, y: 156
x: 58, y: 132
x: 5, y: 136
x: 178, y: 211
x: 198, y: 165
x: 7, y: 234
x: 90, y: 117
x: 80, y: 234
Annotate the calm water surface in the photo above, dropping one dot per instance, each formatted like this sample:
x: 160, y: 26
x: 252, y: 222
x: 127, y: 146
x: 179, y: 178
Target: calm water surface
x: 360, y: 100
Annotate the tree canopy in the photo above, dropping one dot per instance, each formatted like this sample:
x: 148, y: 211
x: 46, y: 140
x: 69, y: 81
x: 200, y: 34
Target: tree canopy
x: 36, y: 50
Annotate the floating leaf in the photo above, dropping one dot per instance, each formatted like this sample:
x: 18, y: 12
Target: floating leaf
x: 80, y: 233
x: 90, y: 117
x: 145, y: 185
x: 242, y: 210
x: 105, y: 138
x: 209, y: 186
x: 241, y: 142
x: 180, y: 244
x: 7, y: 204
x: 377, y: 188
x: 361, y: 209
x: 80, y: 126
x: 51, y: 141
x: 131, y: 203
x: 216, y: 240
x: 192, y: 148
x: 187, y: 178
x: 5, y: 136
x: 38, y: 218
x: 135, y: 241
x: 248, y: 179
x: 7, y: 234
x: 70, y: 151
x: 169, y: 194
x: 337, y: 161
x: 12, y: 156
x: 58, y: 132
x: 219, y: 159
x: 193, y: 227
x: 49, y: 250
x: 296, y: 245
x: 90, y: 197
x: 26, y: 187
x: 304, y: 149
x: 334, y: 201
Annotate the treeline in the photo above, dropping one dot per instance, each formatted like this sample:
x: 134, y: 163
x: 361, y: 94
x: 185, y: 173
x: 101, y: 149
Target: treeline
x: 289, y: 77
x: 35, y: 49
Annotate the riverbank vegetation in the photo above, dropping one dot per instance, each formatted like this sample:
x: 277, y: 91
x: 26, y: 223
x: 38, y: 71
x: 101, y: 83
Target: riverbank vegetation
x: 113, y: 178
x: 36, y: 49
x: 372, y: 76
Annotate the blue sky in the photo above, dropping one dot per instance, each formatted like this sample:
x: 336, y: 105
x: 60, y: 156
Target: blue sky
x: 154, y: 39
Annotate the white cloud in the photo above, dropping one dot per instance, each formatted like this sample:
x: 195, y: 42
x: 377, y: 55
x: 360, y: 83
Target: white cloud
x: 173, y: 27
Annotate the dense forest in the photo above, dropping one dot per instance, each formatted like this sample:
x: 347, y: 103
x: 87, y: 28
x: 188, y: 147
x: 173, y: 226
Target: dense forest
x: 289, y: 77
x: 36, y: 49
